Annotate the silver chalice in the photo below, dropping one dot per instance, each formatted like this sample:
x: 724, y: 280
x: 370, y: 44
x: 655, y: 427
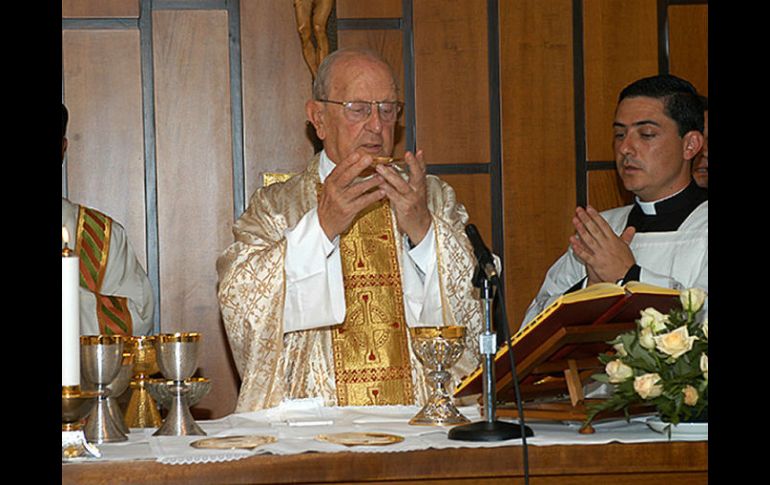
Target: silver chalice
x: 100, y: 362
x: 178, y: 359
x: 438, y: 349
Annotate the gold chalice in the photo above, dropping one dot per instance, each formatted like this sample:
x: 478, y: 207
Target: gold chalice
x: 438, y: 349
x: 142, y: 410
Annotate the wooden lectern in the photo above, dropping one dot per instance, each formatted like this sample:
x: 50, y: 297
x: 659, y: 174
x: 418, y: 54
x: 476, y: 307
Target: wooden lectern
x: 556, y: 354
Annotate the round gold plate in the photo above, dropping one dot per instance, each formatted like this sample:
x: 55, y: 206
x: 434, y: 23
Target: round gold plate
x: 360, y: 439
x: 244, y: 442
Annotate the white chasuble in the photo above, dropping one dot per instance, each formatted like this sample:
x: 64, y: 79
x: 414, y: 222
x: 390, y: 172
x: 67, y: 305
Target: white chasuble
x: 274, y: 365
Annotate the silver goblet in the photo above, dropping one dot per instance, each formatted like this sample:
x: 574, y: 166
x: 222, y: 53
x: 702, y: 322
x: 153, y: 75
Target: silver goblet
x: 178, y: 359
x: 100, y: 363
x: 75, y: 405
x: 438, y: 349
x: 117, y: 387
x: 160, y: 390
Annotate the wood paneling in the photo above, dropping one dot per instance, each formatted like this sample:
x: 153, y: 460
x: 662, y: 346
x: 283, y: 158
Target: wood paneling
x: 688, y: 44
x: 100, y: 8
x: 605, y: 190
x: 451, y: 78
x: 669, y: 462
x: 276, y: 85
x: 358, y: 9
x: 473, y: 192
x: 538, y: 143
x: 389, y: 45
x: 621, y: 42
x: 194, y: 160
x: 105, y: 159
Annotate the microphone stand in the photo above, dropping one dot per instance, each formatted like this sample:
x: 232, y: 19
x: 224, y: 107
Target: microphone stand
x: 490, y: 429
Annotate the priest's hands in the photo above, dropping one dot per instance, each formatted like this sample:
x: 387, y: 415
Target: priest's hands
x: 409, y: 198
x: 343, y: 197
x: 606, y: 256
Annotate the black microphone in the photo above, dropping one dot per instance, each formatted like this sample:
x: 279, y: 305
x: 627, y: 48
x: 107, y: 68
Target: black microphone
x: 483, y: 255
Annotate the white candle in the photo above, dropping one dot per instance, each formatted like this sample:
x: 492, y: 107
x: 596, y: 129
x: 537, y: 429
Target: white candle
x: 70, y: 315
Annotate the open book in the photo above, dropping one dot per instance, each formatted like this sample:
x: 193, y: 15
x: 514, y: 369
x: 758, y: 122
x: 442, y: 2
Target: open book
x: 575, y: 327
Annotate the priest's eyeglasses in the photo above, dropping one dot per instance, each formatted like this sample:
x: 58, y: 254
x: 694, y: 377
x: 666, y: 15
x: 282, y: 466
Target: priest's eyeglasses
x: 358, y: 111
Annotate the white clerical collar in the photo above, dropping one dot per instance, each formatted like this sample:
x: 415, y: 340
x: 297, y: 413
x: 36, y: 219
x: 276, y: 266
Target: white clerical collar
x: 325, y: 166
x: 649, y: 207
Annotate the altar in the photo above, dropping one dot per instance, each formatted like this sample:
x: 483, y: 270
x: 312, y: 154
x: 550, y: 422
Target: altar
x: 296, y: 452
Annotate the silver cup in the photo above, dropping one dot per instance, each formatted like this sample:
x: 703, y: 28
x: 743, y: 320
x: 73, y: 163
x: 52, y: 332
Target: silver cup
x: 438, y: 349
x: 197, y: 387
x: 178, y: 359
x: 117, y: 387
x: 100, y: 363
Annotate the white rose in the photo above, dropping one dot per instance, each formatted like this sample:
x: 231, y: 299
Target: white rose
x: 690, y: 395
x: 646, y: 338
x: 653, y: 319
x: 618, y: 371
x: 620, y: 349
x: 705, y: 327
x: 704, y: 365
x: 647, y: 386
x: 675, y: 343
x: 692, y: 299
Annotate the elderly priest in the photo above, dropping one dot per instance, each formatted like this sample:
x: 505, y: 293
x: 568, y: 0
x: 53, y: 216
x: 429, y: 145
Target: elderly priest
x: 330, y: 268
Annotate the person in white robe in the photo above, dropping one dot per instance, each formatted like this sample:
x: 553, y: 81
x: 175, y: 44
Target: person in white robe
x: 124, y: 279
x: 662, y: 239
x: 281, y: 283
x: 115, y: 291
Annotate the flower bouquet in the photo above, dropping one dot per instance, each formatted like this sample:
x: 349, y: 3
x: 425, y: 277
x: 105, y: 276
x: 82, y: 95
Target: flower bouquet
x: 663, y: 363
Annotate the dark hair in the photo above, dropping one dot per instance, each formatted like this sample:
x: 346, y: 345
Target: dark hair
x: 680, y: 99
x: 64, y: 118
x: 704, y: 101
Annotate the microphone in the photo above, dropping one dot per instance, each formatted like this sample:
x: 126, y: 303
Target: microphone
x: 483, y: 255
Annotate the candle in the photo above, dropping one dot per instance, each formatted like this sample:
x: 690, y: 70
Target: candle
x: 70, y: 314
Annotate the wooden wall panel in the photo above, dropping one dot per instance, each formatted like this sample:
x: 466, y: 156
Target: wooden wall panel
x: 276, y: 85
x: 194, y: 160
x: 473, y: 192
x: 620, y: 47
x: 451, y: 78
x: 378, y: 9
x: 105, y: 159
x: 100, y: 8
x: 389, y: 45
x: 538, y: 143
x: 688, y: 44
x: 605, y: 190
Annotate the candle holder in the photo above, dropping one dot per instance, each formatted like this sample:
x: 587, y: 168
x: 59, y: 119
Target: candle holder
x: 100, y: 361
x: 75, y: 405
x: 438, y: 348
x: 178, y: 359
x: 142, y: 410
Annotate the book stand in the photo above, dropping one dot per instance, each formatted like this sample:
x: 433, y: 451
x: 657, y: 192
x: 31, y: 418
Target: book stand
x: 558, y: 351
x: 562, y: 365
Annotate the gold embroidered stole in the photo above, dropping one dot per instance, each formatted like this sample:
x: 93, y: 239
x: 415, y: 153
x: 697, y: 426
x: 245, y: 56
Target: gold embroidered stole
x: 371, y: 349
x: 93, y: 245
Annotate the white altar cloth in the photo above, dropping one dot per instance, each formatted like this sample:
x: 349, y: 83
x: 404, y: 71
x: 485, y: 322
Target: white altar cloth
x: 296, y: 424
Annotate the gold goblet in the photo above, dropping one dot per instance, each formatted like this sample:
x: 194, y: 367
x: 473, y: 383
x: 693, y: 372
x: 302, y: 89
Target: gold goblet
x: 438, y: 349
x: 142, y: 410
